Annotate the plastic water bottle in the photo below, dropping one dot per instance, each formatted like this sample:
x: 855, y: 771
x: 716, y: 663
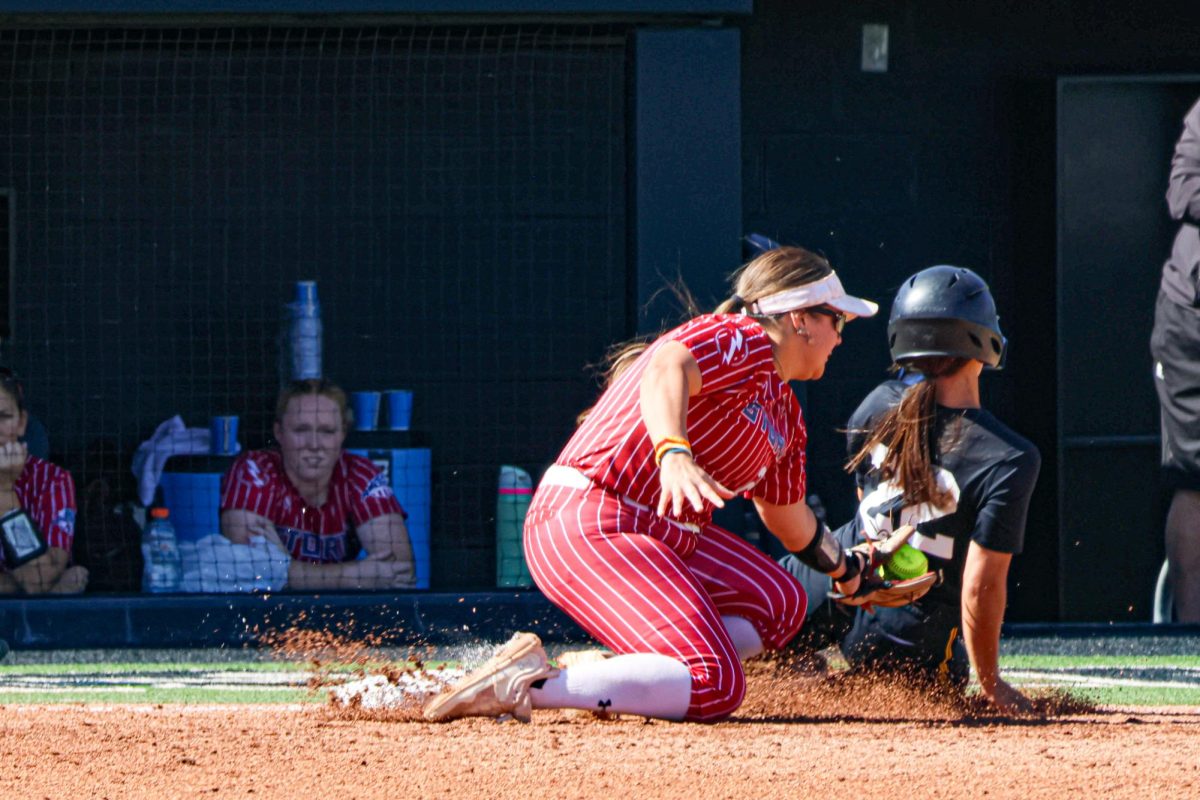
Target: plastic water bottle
x: 304, y: 332
x: 512, y: 502
x: 160, y: 551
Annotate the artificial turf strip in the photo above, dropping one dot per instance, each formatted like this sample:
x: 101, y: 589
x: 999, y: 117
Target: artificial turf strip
x: 1138, y: 695
x: 134, y: 668
x: 162, y: 696
x: 1082, y: 676
x: 1028, y: 661
x: 144, y: 668
x: 1105, y: 696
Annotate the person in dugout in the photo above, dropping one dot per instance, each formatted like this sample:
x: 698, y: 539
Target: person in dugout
x: 37, y: 508
x: 323, y: 506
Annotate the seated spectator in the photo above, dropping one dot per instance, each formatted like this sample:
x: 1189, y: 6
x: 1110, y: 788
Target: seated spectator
x: 46, y: 493
x: 320, y: 503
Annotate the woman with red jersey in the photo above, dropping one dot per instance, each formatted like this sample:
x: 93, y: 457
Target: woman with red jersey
x: 619, y: 533
x: 37, y: 509
x: 320, y: 504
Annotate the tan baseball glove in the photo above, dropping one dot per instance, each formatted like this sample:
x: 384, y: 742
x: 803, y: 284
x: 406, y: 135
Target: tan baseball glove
x: 874, y: 590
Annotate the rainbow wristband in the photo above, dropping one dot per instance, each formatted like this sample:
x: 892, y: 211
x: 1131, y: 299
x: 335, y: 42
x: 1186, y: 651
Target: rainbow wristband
x: 669, y: 443
x: 660, y: 456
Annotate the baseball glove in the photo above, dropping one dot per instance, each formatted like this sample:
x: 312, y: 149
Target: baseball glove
x: 874, y: 590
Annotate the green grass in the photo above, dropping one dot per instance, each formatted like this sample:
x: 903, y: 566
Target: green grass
x: 1137, y: 695
x: 1138, y: 674
x: 1112, y: 662
x: 148, y: 668
x: 159, y: 682
x: 165, y: 696
x: 142, y: 668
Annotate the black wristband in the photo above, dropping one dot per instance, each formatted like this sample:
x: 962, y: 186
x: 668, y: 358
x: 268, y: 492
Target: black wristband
x: 854, y: 567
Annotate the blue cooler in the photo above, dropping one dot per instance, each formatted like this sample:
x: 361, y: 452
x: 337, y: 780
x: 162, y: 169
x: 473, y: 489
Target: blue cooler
x: 408, y: 471
x: 191, y: 490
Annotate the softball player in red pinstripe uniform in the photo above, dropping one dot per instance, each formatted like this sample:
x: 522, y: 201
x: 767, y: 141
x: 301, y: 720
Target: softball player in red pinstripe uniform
x: 45, y: 493
x: 619, y: 533
x: 358, y: 493
x: 311, y: 497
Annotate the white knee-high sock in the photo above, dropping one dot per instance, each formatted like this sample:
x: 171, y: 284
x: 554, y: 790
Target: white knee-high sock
x: 646, y: 684
x: 745, y: 637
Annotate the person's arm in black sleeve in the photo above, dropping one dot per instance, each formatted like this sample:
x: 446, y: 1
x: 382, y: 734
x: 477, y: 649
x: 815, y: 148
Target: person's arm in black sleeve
x: 1183, y: 190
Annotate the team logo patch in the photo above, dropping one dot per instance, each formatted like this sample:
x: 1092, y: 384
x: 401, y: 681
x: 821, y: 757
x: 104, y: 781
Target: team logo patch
x: 377, y: 488
x: 731, y: 344
x: 65, y: 519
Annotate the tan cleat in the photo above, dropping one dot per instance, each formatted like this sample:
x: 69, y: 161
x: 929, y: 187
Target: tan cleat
x: 500, y: 687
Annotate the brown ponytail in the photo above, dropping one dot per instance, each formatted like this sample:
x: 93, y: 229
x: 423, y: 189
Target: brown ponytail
x: 772, y: 271
x: 618, y: 359
x: 906, y: 430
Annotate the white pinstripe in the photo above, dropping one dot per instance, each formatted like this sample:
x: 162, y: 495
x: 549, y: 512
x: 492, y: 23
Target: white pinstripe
x: 642, y: 583
x: 613, y: 448
x: 44, y: 490
x: 637, y: 595
x: 257, y: 482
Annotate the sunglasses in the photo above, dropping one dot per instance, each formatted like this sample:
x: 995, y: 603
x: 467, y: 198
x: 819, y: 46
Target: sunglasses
x: 839, y: 318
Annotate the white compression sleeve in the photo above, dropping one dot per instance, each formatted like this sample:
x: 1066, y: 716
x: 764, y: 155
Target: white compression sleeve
x: 645, y: 684
x: 745, y: 637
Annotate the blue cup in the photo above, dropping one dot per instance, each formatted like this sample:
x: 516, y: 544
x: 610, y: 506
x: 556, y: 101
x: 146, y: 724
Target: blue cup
x: 399, y: 405
x: 223, y: 433
x: 366, y: 410
x: 306, y: 293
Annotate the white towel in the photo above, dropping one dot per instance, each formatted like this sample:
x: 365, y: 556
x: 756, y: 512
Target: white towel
x: 215, y: 564
x: 170, y: 439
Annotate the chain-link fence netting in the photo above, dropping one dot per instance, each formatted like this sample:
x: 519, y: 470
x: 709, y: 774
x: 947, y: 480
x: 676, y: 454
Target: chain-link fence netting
x: 455, y: 195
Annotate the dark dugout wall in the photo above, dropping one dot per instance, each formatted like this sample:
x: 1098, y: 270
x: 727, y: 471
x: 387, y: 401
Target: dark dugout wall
x: 949, y: 156
x: 457, y: 192
x: 1115, y: 142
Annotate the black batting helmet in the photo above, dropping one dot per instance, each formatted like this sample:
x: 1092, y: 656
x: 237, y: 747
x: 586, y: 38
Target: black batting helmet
x: 946, y: 311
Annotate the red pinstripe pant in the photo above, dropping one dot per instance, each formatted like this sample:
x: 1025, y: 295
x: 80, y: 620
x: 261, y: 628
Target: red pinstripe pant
x: 640, y: 583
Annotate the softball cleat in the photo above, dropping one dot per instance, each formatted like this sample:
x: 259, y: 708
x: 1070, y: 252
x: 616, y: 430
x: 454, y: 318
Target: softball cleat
x: 500, y: 687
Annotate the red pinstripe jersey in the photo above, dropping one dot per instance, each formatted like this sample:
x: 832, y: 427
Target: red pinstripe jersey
x: 47, y: 493
x: 745, y: 425
x: 358, y: 493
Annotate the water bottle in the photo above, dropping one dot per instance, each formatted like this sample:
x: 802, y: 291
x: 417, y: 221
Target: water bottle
x: 304, y: 332
x: 512, y: 501
x: 160, y: 551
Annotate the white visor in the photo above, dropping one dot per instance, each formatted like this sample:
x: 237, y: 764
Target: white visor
x: 826, y: 292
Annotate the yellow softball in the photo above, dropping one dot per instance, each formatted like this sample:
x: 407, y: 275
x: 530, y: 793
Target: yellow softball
x: 908, y: 562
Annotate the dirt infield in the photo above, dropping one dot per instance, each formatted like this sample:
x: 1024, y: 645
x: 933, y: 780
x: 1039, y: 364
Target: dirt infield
x: 790, y: 735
